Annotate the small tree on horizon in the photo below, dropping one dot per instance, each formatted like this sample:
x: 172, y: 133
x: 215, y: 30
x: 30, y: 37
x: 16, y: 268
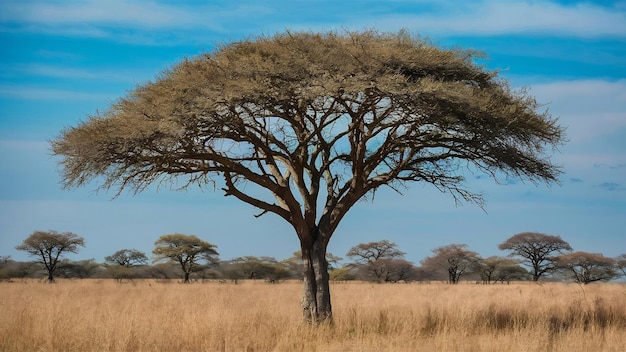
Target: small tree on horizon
x: 127, y: 258
x: 620, y: 263
x: 50, y: 246
x: 123, y: 262
x: 306, y: 125
x: 455, y: 259
x: 376, y: 258
x: 187, y: 250
x: 539, y: 251
x: 587, y: 267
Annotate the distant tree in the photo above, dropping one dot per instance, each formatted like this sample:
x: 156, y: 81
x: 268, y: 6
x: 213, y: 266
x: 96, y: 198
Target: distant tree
x: 50, y: 246
x: 187, y: 250
x: 511, y: 272
x: 251, y: 267
x: 124, y: 264
x: 400, y: 270
x: 374, y: 258
x: 295, y: 267
x: 345, y: 273
x: 620, y: 263
x: 333, y: 261
x: 488, y: 267
x: 127, y: 258
x: 10, y: 269
x: 587, y: 267
x: 494, y: 269
x: 456, y: 259
x: 539, y: 251
x: 305, y: 125
x: 163, y: 271
x: 78, y: 269
x: 5, y: 267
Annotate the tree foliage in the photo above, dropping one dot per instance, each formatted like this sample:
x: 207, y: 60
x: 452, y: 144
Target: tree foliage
x: 494, y: 269
x: 318, y: 121
x: 377, y: 259
x: 587, y: 267
x: 620, y: 262
x: 251, y: 267
x: 50, y: 246
x: 127, y: 258
x: 539, y: 251
x: 456, y: 259
x: 187, y: 250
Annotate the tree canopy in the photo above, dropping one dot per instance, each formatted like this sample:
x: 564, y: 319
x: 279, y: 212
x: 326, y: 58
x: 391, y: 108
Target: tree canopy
x: 587, y: 267
x: 538, y: 250
x: 187, y: 250
x: 49, y: 247
x: 127, y: 258
x: 319, y: 121
x: 456, y: 259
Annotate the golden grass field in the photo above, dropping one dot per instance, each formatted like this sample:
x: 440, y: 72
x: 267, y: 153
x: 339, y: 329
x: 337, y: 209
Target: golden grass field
x: 103, y: 315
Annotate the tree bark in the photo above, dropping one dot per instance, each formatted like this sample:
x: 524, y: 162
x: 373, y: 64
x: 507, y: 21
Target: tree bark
x: 316, y: 298
x: 50, y: 276
x: 186, y: 279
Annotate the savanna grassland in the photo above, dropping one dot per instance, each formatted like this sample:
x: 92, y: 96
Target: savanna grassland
x: 103, y: 315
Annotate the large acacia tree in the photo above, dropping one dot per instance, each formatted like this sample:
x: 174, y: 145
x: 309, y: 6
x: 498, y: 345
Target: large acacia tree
x: 318, y: 121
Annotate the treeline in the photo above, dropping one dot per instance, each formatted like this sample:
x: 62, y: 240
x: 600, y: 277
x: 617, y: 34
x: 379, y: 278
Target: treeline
x: 531, y: 256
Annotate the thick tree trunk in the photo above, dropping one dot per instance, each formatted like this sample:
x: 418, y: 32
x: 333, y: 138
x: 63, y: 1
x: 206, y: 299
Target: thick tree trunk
x: 186, y: 279
x: 50, y: 276
x: 316, y: 299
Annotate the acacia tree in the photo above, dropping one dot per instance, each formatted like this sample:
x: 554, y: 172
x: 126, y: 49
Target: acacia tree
x: 620, y: 263
x: 456, y: 259
x: 376, y: 258
x: 538, y: 250
x: 187, y: 250
x: 123, y: 261
x: 49, y: 247
x: 587, y: 267
x: 127, y: 258
x: 319, y: 121
x: 494, y: 269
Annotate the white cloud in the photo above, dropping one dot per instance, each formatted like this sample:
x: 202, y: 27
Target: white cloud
x: 44, y: 70
x: 489, y: 17
x: 139, y: 13
x: 515, y: 17
x: 590, y: 109
x: 594, y: 113
x: 24, y: 92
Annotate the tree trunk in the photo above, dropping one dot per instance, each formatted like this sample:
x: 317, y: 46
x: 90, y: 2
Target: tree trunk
x: 50, y: 276
x: 316, y: 299
x: 186, y: 279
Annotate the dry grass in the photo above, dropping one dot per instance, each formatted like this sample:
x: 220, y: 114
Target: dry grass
x: 92, y: 315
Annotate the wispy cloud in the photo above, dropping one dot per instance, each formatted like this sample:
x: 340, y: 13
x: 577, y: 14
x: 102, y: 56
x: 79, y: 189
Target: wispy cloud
x: 113, y: 12
x: 609, y: 186
x: 590, y: 109
x: 54, y: 71
x: 24, y: 92
x: 520, y: 17
x: 133, y: 19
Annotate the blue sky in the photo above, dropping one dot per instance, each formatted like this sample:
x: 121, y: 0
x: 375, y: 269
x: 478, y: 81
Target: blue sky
x: 61, y: 61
